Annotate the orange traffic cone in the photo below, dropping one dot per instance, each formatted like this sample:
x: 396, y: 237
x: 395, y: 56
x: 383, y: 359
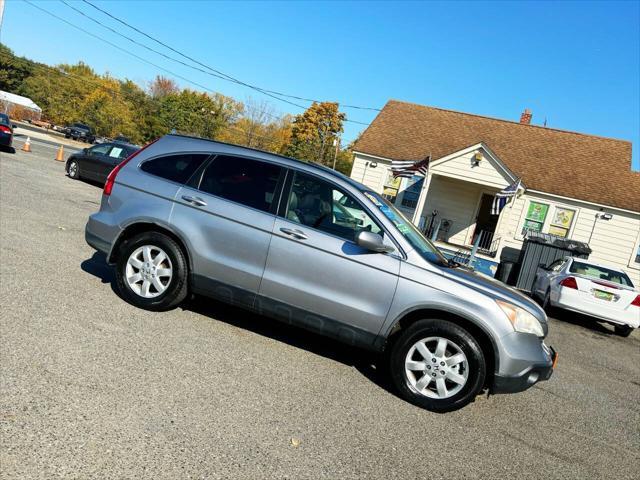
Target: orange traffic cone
x: 60, y: 154
x: 27, y: 145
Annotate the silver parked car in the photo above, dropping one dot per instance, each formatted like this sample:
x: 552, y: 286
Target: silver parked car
x: 265, y: 232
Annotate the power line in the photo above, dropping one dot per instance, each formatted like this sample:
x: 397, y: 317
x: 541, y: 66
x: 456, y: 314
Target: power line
x: 101, y: 85
x: 228, y: 77
x: 199, y: 85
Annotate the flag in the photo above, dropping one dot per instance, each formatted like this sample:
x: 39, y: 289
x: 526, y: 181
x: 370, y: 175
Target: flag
x: 409, y: 168
x: 504, y: 196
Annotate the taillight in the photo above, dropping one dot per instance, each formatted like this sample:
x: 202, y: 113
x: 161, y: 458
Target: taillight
x: 636, y: 301
x: 111, y: 178
x: 569, y: 282
x: 5, y: 129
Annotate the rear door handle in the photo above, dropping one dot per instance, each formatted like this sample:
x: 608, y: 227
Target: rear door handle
x: 294, y: 233
x: 194, y: 201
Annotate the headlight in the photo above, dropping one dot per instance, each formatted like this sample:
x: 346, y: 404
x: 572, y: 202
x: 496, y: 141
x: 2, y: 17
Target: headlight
x: 521, y: 320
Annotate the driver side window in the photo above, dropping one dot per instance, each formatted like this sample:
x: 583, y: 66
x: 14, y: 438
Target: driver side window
x: 318, y: 204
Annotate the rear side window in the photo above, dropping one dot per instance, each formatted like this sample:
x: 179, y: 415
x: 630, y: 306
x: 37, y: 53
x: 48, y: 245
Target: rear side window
x: 250, y: 182
x: 177, y: 168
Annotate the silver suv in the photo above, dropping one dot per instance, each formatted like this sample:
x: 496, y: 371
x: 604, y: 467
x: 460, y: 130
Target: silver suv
x: 311, y: 247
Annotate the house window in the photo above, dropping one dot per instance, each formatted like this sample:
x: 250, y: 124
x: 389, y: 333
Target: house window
x: 561, y: 222
x: 536, y: 215
x: 412, y: 192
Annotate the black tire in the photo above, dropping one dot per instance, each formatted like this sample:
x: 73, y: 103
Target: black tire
x: 623, y: 330
x: 177, y: 289
x: 73, y: 173
x: 477, y: 366
x: 546, y: 306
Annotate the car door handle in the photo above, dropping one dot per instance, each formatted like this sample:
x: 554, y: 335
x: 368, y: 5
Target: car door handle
x: 198, y: 202
x: 294, y: 233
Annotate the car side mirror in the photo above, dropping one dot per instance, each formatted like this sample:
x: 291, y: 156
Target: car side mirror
x: 14, y: 126
x: 373, y: 242
x: 543, y: 266
x: 85, y: 150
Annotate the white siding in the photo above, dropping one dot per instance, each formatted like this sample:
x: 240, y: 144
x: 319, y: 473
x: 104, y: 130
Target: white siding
x: 362, y: 172
x: 455, y: 201
x: 488, y: 172
x: 613, y: 241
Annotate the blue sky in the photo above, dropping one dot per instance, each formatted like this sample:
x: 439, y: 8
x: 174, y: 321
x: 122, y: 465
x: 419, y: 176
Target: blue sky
x: 576, y: 63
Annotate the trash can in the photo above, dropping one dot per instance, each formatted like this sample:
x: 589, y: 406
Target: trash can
x: 504, y: 271
x: 542, y: 248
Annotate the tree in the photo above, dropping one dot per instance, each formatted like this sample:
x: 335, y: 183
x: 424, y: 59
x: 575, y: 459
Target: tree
x: 162, y: 86
x: 14, y: 70
x: 259, y: 127
x: 196, y: 113
x: 314, y: 131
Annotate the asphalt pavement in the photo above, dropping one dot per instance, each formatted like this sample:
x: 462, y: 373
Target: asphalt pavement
x: 91, y: 387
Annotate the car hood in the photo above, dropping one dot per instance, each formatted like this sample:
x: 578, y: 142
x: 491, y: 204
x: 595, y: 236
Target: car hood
x: 495, y: 289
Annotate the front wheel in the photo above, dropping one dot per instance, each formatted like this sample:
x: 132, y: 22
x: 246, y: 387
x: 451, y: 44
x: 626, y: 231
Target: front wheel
x: 152, y: 272
x: 437, y: 365
x: 73, y: 170
x: 623, y: 330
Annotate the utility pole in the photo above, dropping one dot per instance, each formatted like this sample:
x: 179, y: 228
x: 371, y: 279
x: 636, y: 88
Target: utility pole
x: 336, y: 143
x: 1, y: 13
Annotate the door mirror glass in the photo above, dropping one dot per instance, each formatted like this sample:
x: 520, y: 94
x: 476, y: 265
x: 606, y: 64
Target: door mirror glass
x: 85, y: 150
x: 542, y: 266
x: 373, y: 242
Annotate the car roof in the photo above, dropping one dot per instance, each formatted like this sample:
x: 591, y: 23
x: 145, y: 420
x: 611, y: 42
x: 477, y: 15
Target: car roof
x: 266, y: 155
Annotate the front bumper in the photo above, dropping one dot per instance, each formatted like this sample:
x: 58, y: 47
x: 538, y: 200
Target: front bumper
x: 525, y: 379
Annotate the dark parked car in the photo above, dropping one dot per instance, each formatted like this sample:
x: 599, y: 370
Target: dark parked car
x: 96, y: 162
x: 80, y: 131
x: 6, y: 131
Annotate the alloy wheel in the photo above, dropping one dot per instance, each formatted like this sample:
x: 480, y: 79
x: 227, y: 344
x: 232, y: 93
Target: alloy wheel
x: 436, y: 367
x: 149, y: 271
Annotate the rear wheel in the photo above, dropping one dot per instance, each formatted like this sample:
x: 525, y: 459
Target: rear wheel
x: 152, y: 272
x: 623, y: 330
x: 437, y: 365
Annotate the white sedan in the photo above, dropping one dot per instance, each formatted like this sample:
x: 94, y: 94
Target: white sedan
x: 579, y: 285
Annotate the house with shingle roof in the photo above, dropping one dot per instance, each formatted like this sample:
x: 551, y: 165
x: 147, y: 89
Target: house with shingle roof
x: 575, y: 186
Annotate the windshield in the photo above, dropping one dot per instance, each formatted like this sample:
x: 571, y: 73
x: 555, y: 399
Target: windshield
x: 4, y: 119
x: 419, y: 242
x: 600, y: 273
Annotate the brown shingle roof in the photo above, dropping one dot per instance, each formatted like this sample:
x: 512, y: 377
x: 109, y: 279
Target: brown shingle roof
x: 574, y: 165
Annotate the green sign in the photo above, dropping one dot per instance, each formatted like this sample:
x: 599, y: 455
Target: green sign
x: 532, y: 225
x: 537, y: 212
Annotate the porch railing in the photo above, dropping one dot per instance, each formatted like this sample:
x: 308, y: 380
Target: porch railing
x: 488, y: 243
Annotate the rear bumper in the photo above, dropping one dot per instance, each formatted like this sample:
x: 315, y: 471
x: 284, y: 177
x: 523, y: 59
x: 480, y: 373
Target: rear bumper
x: 569, y: 299
x: 525, y: 379
x: 100, y: 234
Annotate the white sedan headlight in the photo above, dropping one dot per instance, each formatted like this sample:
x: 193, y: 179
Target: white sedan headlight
x: 521, y: 320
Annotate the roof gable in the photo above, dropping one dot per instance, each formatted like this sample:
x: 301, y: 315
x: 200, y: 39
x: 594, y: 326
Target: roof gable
x: 568, y: 164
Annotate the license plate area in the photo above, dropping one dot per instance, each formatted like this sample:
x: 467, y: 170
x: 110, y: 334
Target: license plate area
x: 602, y: 295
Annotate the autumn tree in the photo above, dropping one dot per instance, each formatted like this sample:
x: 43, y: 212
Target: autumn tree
x: 14, y: 70
x: 162, y: 86
x: 314, y: 131
x: 258, y: 126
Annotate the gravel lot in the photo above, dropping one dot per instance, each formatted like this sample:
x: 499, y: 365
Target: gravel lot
x: 92, y: 387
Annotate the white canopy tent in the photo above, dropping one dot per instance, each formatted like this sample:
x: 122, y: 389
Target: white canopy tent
x: 11, y: 104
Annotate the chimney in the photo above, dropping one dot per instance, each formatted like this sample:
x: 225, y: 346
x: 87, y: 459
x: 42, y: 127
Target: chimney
x: 526, y: 116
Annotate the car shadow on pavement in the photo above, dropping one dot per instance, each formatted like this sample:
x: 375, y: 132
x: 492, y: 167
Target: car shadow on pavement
x: 368, y: 364
x: 583, y: 321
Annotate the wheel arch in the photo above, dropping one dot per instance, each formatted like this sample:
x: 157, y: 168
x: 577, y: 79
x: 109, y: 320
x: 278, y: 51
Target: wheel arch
x: 143, y: 227
x: 484, y: 338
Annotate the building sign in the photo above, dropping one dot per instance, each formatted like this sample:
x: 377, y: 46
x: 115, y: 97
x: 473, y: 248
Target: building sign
x: 561, y: 222
x: 391, y: 186
x: 536, y: 214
